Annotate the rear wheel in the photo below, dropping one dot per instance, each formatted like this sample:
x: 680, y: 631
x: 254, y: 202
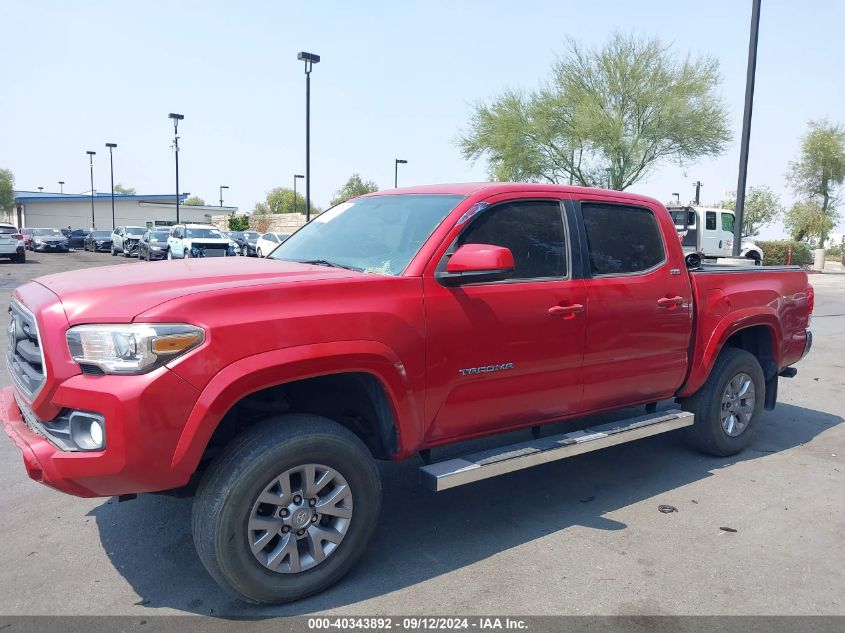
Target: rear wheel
x: 19, y: 258
x: 729, y: 406
x: 287, y: 509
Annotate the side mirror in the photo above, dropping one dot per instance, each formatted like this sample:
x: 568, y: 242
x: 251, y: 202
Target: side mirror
x: 474, y: 263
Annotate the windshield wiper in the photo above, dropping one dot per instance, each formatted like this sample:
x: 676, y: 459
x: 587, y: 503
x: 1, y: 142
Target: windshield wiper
x: 325, y: 262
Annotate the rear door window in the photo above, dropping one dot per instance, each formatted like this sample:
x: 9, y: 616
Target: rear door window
x: 728, y: 222
x: 622, y: 240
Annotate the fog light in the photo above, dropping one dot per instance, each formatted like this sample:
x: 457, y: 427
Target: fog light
x: 87, y: 430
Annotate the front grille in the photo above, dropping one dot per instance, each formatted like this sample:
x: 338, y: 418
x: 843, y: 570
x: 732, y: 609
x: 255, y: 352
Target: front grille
x: 24, y: 358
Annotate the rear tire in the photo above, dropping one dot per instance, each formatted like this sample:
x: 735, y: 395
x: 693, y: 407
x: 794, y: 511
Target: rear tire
x: 713, y: 405
x: 227, y: 507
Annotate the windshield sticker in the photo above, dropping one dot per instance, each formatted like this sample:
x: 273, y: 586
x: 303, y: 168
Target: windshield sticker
x: 474, y: 210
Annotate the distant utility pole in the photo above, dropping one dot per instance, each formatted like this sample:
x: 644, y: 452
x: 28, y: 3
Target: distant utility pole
x: 746, y: 125
x: 176, y: 118
x: 61, y: 186
x: 697, y: 185
x: 91, y: 165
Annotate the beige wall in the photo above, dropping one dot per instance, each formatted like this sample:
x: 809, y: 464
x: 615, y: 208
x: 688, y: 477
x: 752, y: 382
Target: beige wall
x: 276, y: 222
x: 77, y: 214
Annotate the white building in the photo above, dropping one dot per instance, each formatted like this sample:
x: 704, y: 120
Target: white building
x: 65, y: 210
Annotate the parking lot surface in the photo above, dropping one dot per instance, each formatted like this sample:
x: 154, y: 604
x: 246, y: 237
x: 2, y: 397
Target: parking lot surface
x: 580, y: 536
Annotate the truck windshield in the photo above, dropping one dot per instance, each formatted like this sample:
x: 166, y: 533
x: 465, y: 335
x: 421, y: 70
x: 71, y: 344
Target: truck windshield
x: 378, y: 234
x: 208, y: 233
x: 136, y: 230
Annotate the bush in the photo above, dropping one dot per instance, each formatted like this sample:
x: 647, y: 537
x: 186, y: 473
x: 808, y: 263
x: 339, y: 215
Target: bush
x: 238, y: 222
x: 834, y: 253
x: 775, y: 253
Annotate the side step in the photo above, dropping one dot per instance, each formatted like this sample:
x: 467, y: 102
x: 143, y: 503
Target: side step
x: 506, y: 459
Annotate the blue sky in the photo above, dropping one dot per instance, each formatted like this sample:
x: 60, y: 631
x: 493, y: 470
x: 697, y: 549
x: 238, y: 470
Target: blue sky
x: 396, y: 80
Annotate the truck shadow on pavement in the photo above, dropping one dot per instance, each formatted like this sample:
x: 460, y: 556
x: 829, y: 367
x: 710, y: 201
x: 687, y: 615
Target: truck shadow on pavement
x: 422, y: 535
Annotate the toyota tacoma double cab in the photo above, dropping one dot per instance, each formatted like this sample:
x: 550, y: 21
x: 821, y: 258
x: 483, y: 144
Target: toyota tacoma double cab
x: 390, y: 325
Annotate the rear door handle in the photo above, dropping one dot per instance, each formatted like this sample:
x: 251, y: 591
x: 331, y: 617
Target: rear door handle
x: 670, y: 302
x: 567, y: 312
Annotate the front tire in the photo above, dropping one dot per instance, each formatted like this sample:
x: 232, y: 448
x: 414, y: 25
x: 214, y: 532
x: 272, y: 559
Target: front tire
x: 729, y: 406
x: 258, y: 252
x: 254, y: 513
x: 113, y: 251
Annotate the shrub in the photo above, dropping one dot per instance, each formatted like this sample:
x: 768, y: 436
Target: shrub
x: 835, y: 252
x: 775, y: 253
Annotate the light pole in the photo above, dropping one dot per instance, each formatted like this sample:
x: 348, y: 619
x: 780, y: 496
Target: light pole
x: 91, y: 164
x: 295, y: 178
x: 607, y: 171
x: 310, y: 59
x: 40, y: 189
x: 697, y: 184
x: 176, y: 118
x: 61, y: 186
x: 746, y: 126
x: 222, y: 187
x: 677, y: 197
x: 396, y: 163
x: 111, y: 146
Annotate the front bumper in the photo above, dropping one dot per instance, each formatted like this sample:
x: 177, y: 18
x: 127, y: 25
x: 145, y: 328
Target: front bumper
x: 46, y: 247
x: 144, y: 418
x: 99, y: 247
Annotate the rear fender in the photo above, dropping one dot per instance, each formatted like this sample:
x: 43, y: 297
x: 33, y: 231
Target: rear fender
x: 706, y: 352
x: 278, y: 367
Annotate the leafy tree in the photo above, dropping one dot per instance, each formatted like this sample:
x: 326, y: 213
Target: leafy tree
x: 7, y: 189
x: 762, y: 207
x: 194, y: 201
x: 353, y: 187
x: 281, y: 200
x: 815, y: 178
x: 119, y: 188
x: 238, y: 222
x: 608, y: 115
x: 807, y: 219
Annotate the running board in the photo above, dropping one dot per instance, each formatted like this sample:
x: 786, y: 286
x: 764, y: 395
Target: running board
x: 506, y: 459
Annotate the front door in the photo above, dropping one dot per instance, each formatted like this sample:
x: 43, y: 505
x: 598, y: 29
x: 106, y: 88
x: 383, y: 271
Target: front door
x: 640, y: 317
x: 506, y: 353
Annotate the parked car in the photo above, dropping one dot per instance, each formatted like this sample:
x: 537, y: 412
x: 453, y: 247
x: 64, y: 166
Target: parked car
x: 12, y: 243
x: 27, y: 236
x: 76, y: 238
x: 265, y: 244
x: 394, y: 325
x: 51, y: 240
x: 198, y: 240
x: 125, y: 240
x: 98, y: 241
x: 153, y: 245
x: 246, y: 241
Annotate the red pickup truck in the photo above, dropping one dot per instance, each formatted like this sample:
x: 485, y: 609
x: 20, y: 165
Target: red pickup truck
x: 390, y: 325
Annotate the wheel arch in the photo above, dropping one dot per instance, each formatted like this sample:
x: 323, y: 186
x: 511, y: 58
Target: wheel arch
x: 319, y: 379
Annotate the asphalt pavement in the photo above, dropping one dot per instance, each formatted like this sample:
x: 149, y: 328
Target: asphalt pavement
x: 580, y: 536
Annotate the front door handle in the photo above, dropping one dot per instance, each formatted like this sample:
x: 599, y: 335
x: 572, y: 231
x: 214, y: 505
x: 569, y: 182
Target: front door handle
x: 567, y: 312
x: 670, y: 302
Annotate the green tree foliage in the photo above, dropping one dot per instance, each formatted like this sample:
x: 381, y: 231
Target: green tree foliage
x: 762, y: 207
x: 355, y: 186
x: 194, y: 201
x: 237, y: 222
x: 119, y: 188
x: 816, y: 176
x: 281, y: 200
x: 607, y: 115
x: 7, y: 189
x: 807, y: 219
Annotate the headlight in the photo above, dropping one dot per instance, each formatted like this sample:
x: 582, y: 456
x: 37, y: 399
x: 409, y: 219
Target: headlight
x: 156, y: 248
x: 133, y: 348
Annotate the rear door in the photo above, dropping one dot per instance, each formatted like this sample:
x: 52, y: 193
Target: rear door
x: 506, y: 353
x: 711, y: 235
x: 640, y: 318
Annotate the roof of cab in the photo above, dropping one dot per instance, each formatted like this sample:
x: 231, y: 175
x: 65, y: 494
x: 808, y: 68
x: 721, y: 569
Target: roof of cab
x: 492, y: 188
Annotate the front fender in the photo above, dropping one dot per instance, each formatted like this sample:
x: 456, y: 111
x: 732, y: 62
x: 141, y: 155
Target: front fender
x: 276, y: 367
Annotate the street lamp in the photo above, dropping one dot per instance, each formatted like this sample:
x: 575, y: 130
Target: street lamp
x: 677, y: 197
x: 310, y: 59
x: 607, y: 171
x: 91, y: 164
x: 222, y: 187
x: 396, y: 163
x: 295, y: 178
x: 176, y: 118
x: 40, y: 189
x: 61, y: 186
x: 697, y: 184
x: 111, y: 146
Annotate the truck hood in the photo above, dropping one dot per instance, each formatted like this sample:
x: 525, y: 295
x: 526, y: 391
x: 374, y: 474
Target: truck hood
x: 117, y: 294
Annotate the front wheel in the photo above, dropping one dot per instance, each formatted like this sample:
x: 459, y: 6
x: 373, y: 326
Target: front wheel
x: 113, y: 251
x: 287, y: 509
x: 729, y: 406
x: 258, y: 252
